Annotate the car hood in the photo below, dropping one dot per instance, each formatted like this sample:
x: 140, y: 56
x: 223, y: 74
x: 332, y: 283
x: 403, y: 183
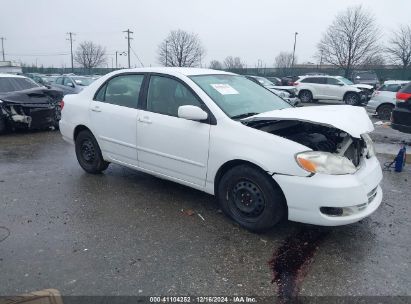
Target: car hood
x: 363, y: 86
x: 350, y: 119
x: 38, y: 95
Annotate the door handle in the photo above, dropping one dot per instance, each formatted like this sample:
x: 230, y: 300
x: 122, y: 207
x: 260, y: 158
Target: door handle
x: 145, y: 119
x: 96, y: 109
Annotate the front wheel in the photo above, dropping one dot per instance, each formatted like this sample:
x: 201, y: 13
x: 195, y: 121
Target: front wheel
x: 352, y: 99
x: 305, y: 96
x: 251, y: 198
x: 89, y: 154
x: 384, y: 111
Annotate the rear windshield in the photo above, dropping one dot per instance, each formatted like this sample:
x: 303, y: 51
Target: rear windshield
x: 406, y: 89
x: 12, y: 84
x: 390, y: 87
x: 365, y: 75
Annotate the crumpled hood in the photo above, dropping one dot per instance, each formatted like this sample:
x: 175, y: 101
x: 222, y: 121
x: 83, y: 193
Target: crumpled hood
x: 363, y: 86
x: 350, y: 119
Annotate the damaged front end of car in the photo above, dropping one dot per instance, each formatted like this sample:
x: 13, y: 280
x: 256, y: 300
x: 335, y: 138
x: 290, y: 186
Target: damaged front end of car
x: 30, y: 109
x: 336, y: 144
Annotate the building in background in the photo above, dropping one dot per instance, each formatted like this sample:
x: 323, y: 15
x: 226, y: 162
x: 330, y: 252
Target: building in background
x: 10, y: 67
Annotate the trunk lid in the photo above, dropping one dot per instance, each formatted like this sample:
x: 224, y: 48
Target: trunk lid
x: 350, y: 119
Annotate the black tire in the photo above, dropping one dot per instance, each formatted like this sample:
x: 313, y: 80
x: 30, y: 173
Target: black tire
x: 89, y: 154
x: 250, y: 197
x: 352, y: 99
x: 305, y: 96
x: 3, y: 125
x: 384, y: 111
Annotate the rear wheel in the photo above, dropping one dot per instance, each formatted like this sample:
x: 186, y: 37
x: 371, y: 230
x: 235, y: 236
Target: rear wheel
x: 384, y: 111
x: 305, y: 96
x: 352, y: 99
x: 250, y: 197
x: 89, y: 154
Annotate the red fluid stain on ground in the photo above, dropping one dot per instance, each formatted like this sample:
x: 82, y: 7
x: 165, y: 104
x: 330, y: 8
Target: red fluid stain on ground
x: 291, y: 260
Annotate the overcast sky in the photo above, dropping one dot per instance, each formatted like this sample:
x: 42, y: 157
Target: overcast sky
x: 251, y: 29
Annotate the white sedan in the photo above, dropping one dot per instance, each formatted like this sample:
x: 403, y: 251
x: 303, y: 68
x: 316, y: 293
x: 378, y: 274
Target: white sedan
x: 226, y: 135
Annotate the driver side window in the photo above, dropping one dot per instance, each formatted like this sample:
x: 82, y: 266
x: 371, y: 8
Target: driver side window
x: 166, y: 95
x: 333, y: 81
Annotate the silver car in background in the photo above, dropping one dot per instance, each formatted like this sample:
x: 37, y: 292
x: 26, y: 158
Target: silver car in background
x: 383, y: 100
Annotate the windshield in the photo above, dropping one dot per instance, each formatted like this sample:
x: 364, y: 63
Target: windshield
x: 12, y: 84
x: 264, y: 81
x: 83, y: 81
x: 237, y: 96
x: 345, y: 80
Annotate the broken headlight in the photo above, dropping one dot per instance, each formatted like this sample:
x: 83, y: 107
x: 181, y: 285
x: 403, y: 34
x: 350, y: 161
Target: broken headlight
x: 325, y: 162
x: 369, y: 144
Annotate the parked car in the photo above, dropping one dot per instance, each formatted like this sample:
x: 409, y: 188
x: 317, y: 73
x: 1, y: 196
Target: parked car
x: 72, y: 84
x: 225, y: 135
x: 286, y: 93
x: 401, y: 115
x: 384, y: 98
x: 365, y: 77
x: 313, y: 88
x: 275, y: 80
x: 24, y: 104
x: 289, y: 80
x: 39, y: 78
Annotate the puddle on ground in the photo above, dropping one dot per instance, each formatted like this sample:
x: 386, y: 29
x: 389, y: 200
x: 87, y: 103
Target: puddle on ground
x: 291, y: 260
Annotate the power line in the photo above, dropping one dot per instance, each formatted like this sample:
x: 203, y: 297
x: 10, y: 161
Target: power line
x: 71, y: 49
x: 2, y: 47
x: 137, y: 57
x: 128, y: 44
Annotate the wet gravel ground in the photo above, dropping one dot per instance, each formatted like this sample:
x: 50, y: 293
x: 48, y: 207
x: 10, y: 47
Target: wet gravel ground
x: 124, y: 233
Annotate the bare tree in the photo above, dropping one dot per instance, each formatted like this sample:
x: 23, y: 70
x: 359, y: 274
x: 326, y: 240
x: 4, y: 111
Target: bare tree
x: 350, y: 40
x: 284, y: 60
x: 216, y: 65
x: 399, y: 50
x: 181, y: 49
x: 231, y: 63
x: 90, y: 55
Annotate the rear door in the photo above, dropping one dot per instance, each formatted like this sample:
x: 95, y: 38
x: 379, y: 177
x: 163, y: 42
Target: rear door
x: 113, y: 115
x: 169, y: 145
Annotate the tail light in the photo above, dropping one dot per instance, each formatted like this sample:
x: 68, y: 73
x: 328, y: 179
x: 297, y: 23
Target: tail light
x: 402, y: 97
x: 61, y: 104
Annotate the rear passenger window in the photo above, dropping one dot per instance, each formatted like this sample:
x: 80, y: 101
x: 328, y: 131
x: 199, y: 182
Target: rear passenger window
x: 121, y: 90
x: 166, y: 95
x: 319, y: 80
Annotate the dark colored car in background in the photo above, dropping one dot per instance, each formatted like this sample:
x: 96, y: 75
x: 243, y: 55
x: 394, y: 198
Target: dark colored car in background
x: 289, y: 80
x: 365, y: 77
x: 401, y: 115
x: 71, y: 84
x: 24, y: 104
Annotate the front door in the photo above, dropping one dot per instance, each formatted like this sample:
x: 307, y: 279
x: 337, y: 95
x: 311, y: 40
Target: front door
x: 169, y: 145
x: 113, y: 114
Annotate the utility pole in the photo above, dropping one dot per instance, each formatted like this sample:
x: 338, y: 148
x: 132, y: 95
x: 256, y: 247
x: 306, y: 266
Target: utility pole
x: 2, y: 47
x: 71, y: 49
x: 128, y: 44
x: 295, y: 42
x: 121, y: 54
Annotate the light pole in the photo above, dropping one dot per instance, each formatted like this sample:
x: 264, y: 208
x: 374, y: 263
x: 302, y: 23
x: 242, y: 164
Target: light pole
x: 166, y: 53
x: 121, y: 54
x: 295, y: 42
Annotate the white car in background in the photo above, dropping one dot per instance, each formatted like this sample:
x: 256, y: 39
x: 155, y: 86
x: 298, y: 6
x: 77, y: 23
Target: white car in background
x: 316, y: 87
x: 222, y: 134
x: 383, y: 100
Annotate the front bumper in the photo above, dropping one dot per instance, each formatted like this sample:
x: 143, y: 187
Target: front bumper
x: 372, y: 106
x: 306, y: 195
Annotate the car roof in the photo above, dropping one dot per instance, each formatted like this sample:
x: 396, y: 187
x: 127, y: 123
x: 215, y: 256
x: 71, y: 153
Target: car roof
x: 396, y: 81
x: 4, y: 75
x: 177, y: 70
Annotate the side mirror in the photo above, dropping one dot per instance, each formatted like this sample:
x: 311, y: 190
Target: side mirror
x: 340, y: 84
x: 70, y: 84
x: 192, y: 113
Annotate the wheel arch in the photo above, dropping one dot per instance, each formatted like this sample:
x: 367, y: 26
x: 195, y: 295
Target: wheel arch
x: 237, y: 162
x: 351, y: 92
x: 385, y: 104
x: 78, y: 129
